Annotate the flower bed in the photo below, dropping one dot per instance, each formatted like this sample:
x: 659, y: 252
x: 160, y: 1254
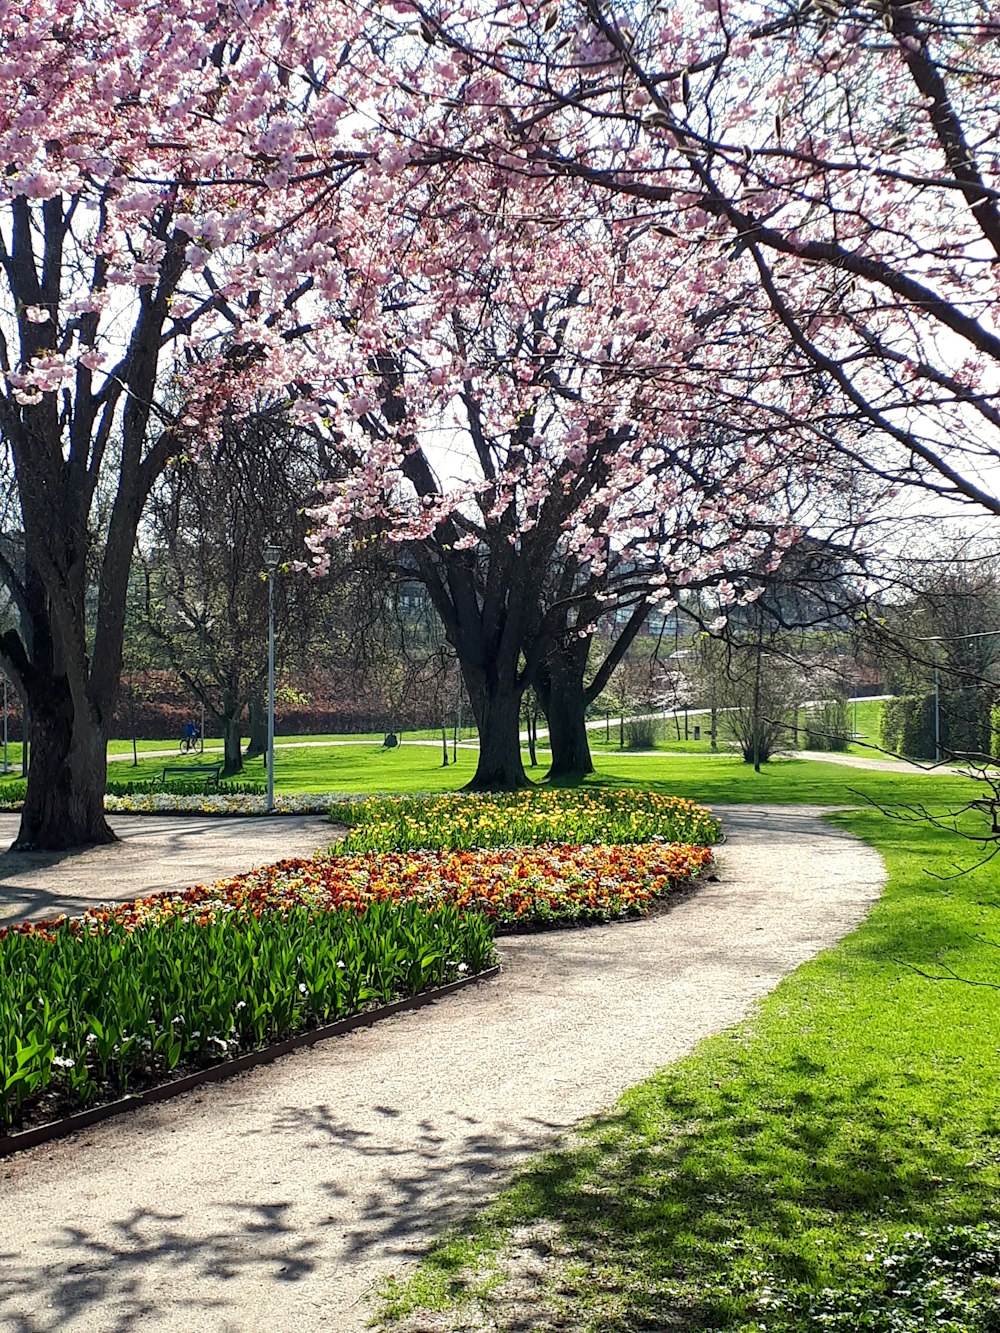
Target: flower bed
x: 526, y: 818
x: 94, y: 1008
x: 116, y: 1000
x: 220, y: 803
x: 185, y: 796
x: 510, y: 887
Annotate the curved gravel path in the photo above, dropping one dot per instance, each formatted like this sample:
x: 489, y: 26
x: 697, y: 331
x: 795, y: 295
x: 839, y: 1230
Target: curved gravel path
x: 278, y: 1199
x: 156, y: 853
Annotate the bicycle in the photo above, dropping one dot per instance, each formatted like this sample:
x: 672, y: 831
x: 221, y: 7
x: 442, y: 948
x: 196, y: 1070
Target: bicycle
x: 188, y: 743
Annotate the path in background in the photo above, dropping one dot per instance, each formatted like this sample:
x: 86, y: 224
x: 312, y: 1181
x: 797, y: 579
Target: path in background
x: 180, y: 756
x: 880, y: 765
x: 156, y: 853
x: 278, y: 1199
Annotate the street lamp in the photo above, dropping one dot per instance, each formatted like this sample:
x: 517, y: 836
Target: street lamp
x: 272, y: 556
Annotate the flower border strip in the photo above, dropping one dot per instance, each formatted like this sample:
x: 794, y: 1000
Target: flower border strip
x: 70, y: 1124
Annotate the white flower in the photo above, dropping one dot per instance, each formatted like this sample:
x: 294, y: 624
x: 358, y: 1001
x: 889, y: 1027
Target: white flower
x: 37, y: 314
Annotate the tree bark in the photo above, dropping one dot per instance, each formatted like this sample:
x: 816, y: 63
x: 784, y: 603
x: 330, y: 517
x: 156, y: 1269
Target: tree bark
x: 560, y: 682
x: 232, y: 741
x: 257, y: 727
x: 563, y: 698
x: 496, y: 704
x: 568, y: 739
x: 64, y: 803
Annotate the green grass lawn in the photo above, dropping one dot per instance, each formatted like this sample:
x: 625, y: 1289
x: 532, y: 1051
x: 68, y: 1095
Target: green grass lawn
x: 865, y: 719
x: 338, y: 768
x: 120, y: 747
x: 725, y: 779
x: 721, y: 778
x: 791, y: 1154
x: 603, y: 739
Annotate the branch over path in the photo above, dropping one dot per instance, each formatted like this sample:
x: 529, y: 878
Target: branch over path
x: 280, y: 1198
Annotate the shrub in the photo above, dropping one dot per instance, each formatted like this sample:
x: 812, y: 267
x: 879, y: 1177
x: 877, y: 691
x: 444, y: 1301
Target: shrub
x: 641, y: 733
x: 907, y: 725
x: 827, y: 727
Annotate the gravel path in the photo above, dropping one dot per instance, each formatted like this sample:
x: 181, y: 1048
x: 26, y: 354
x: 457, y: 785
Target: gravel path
x: 278, y: 1199
x: 156, y: 852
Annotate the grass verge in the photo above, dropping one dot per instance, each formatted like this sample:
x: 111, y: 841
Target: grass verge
x: 814, y: 1167
x: 726, y: 780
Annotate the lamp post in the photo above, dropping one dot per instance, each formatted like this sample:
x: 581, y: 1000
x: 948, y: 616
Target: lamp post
x: 272, y: 556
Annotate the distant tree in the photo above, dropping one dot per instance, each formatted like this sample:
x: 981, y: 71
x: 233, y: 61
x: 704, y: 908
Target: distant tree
x: 209, y: 520
x: 758, y: 689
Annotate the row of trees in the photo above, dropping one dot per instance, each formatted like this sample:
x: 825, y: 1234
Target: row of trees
x: 577, y: 321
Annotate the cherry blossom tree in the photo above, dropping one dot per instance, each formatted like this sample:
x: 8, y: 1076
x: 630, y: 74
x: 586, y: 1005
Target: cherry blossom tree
x: 833, y: 165
x: 575, y: 244
x: 534, y: 398
x: 162, y: 210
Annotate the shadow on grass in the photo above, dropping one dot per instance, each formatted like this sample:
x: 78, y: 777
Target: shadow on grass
x: 678, y: 1228
x: 859, y: 1104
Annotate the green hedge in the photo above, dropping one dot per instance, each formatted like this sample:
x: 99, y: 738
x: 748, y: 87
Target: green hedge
x: 907, y: 725
x: 967, y: 723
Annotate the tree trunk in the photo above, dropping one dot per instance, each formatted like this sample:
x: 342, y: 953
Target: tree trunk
x: 566, y: 710
x: 232, y: 737
x: 257, y: 727
x: 497, y: 707
x: 444, y: 745
x: 64, y: 804
x: 563, y: 696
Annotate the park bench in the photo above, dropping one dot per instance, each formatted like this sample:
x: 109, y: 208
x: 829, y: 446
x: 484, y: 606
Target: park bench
x: 210, y: 772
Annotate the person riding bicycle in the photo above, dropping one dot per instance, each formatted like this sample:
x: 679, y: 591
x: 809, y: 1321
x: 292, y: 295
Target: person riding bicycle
x: 191, y: 730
